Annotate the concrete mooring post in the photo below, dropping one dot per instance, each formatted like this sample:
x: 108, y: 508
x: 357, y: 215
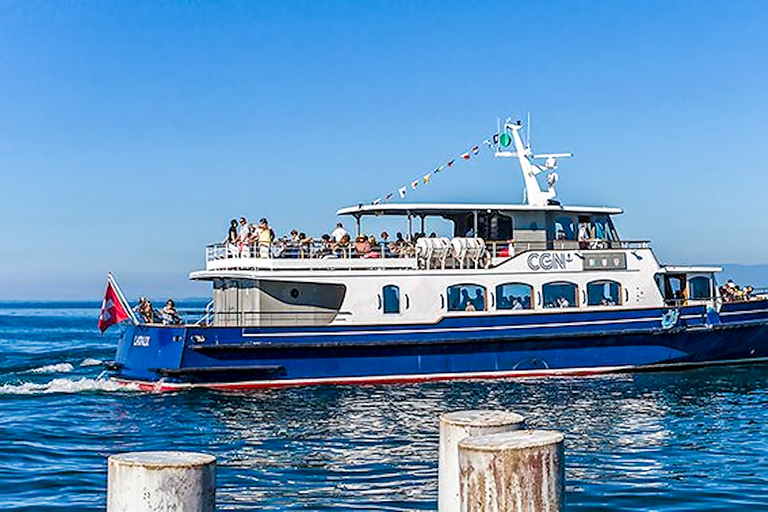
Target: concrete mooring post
x: 153, y: 481
x: 455, y: 426
x: 513, y: 471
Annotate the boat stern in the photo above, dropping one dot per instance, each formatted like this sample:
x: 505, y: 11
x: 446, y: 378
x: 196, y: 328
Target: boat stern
x: 144, y: 350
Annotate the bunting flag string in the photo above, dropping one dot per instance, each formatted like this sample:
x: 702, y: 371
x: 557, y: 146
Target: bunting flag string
x: 498, y: 138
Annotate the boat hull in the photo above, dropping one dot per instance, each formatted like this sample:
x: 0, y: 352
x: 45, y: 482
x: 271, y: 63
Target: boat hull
x: 460, y: 347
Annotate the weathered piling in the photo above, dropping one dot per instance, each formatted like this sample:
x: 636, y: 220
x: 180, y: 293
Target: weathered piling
x: 163, y: 480
x: 513, y: 471
x: 455, y: 426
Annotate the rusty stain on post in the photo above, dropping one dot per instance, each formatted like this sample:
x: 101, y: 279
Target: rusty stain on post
x: 513, y: 471
x: 454, y: 427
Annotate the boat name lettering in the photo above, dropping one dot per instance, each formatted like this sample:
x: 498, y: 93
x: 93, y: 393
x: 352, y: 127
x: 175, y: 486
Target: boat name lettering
x: 548, y: 260
x: 141, y: 341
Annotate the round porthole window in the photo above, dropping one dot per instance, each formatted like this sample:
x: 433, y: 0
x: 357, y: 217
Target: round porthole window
x: 295, y: 293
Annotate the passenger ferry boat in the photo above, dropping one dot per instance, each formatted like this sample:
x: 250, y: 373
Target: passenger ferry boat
x: 530, y: 289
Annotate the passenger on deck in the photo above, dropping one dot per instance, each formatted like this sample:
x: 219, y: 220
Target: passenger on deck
x: 265, y: 235
x: 242, y: 236
x: 169, y: 314
x: 375, y: 251
x: 326, y: 248
x: 230, y: 243
x: 305, y: 245
x: 339, y: 249
x: 397, y: 247
x: 362, y: 247
x: 146, y: 311
x: 232, y: 233
x: 385, y: 248
x: 584, y: 235
x: 338, y: 233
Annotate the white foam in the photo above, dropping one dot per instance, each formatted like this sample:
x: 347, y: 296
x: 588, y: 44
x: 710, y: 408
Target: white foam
x: 65, y: 386
x: 91, y: 362
x: 53, y: 368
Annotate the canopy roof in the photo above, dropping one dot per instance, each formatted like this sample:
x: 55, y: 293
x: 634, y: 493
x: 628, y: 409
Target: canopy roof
x: 419, y: 209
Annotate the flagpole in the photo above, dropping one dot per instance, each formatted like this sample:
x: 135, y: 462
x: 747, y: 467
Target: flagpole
x: 122, y: 299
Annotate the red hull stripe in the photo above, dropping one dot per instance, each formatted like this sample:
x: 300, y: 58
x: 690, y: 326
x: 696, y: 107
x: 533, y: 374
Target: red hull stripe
x: 434, y: 377
x: 372, y: 380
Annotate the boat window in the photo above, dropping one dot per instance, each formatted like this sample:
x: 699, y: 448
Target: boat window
x: 564, y: 229
x: 672, y: 288
x: 560, y: 294
x: 391, y: 294
x: 513, y: 296
x: 602, y: 227
x: 466, y: 297
x: 499, y: 227
x: 603, y: 293
x: 699, y: 287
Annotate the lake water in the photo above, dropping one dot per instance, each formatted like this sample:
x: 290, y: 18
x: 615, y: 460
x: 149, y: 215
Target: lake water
x: 662, y: 441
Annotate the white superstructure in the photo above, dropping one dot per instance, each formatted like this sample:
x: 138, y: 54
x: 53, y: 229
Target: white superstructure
x: 540, y: 256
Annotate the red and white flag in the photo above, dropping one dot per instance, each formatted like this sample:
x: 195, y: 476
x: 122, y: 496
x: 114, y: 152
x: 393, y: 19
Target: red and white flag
x: 465, y: 156
x: 113, y: 310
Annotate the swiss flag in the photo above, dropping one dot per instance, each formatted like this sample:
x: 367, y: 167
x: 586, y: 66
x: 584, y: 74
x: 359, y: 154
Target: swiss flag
x: 112, y: 309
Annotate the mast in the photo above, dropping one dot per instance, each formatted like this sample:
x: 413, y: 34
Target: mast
x: 534, y: 194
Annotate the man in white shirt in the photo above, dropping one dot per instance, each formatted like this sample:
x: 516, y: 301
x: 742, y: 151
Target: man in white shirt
x: 339, y: 232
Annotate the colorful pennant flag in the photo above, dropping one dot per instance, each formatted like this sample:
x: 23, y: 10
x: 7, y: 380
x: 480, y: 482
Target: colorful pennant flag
x: 495, y: 139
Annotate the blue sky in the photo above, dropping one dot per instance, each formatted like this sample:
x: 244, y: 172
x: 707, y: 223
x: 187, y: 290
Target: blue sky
x: 131, y: 132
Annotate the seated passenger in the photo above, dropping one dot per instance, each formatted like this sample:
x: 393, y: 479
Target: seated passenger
x: 385, y: 247
x: 340, y: 248
x: 478, y: 301
x: 146, y: 312
x: 584, y: 235
x: 362, y: 247
x: 325, y: 250
x: 305, y: 245
x: 465, y: 303
x: 169, y: 314
x: 374, y: 252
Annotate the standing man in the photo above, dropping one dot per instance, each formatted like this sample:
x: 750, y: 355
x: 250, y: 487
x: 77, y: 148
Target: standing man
x: 339, y: 232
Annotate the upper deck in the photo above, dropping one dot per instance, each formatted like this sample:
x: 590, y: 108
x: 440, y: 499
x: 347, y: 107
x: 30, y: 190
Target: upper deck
x: 481, y: 235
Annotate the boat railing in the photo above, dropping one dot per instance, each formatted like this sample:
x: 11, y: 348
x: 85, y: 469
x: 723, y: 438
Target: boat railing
x: 425, y: 253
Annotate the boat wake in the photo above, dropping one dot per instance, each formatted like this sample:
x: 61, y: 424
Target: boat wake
x: 53, y: 368
x: 66, y: 386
